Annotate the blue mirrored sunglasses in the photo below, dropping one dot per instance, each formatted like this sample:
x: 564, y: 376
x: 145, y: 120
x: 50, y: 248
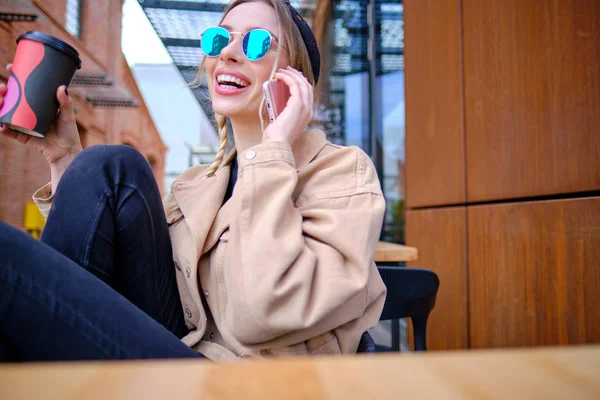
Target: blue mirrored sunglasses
x: 256, y: 43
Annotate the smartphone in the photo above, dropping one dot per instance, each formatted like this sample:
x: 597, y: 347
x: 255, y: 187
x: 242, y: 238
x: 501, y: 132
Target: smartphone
x: 277, y: 94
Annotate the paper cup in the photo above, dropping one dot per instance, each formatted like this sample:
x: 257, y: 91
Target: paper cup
x: 42, y: 64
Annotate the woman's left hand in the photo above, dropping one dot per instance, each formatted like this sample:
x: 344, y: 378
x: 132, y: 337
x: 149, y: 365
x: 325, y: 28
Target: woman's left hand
x: 298, y: 111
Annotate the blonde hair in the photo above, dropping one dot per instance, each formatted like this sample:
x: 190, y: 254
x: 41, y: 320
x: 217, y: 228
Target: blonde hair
x: 290, y: 39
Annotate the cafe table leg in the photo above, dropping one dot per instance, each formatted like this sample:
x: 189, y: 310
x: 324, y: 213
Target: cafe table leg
x: 395, y: 334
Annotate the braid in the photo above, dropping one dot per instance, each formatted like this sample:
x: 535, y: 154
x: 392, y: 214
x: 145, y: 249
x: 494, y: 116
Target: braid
x: 230, y: 156
x: 222, y: 125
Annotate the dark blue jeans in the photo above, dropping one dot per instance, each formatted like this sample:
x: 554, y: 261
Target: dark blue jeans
x: 101, y: 282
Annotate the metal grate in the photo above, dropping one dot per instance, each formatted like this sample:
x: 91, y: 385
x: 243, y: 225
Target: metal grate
x: 112, y: 103
x: 113, y: 98
x: 186, y: 56
x: 180, y: 23
x: 17, y: 11
x: 92, y: 79
x: 351, y: 36
x: 105, y: 96
x: 14, y: 17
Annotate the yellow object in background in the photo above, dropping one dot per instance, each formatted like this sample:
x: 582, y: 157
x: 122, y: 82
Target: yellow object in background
x: 34, y: 220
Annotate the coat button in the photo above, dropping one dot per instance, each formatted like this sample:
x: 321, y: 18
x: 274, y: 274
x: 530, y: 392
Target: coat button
x: 212, y: 336
x: 188, y: 313
x: 206, y: 293
x: 177, y: 267
x: 250, y: 155
x: 188, y: 271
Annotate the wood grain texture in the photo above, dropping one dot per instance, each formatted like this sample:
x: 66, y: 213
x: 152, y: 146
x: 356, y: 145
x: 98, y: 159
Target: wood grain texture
x: 532, y: 97
x: 534, y: 273
x: 392, y: 252
x: 564, y: 373
x: 440, y: 236
x: 434, y: 110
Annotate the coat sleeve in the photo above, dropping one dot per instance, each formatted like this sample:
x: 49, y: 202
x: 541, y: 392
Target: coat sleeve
x: 43, y: 198
x: 301, y: 270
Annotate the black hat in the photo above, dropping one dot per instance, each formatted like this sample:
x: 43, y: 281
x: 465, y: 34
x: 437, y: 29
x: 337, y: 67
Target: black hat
x: 309, y: 40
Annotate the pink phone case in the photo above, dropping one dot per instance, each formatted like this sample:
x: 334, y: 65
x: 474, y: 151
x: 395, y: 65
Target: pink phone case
x: 277, y: 94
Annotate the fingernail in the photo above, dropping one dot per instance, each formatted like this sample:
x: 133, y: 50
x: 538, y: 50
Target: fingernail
x: 66, y: 91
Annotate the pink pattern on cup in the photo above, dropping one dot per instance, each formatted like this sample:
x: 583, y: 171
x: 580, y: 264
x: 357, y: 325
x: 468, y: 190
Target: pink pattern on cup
x: 29, y: 55
x: 12, y: 95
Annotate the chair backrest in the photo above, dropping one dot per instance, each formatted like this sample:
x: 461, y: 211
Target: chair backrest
x: 411, y: 293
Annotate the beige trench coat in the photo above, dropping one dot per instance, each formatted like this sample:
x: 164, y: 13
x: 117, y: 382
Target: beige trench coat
x: 285, y: 267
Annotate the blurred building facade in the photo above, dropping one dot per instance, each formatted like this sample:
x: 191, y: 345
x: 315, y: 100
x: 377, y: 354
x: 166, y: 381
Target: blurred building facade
x: 108, y: 105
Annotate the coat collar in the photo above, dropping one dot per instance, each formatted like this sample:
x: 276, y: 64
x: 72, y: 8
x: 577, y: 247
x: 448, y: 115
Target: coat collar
x: 200, y: 198
x: 307, y: 146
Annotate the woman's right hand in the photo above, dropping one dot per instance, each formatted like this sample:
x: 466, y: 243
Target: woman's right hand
x: 62, y: 143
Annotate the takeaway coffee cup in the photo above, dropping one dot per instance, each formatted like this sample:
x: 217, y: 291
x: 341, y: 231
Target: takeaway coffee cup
x: 42, y: 64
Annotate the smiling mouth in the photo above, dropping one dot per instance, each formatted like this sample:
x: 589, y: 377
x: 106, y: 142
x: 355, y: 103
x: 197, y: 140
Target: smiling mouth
x: 231, y: 82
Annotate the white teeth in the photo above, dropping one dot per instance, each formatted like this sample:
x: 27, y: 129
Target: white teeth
x: 228, y: 78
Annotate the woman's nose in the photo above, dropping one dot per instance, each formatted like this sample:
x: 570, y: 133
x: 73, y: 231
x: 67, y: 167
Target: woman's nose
x: 233, y: 51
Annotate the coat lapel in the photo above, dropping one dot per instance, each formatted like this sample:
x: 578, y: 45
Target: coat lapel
x: 200, y: 200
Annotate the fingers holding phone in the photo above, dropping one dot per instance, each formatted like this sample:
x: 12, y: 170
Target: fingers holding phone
x: 288, y: 122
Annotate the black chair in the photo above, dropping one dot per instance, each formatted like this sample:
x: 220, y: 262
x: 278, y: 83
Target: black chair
x: 411, y: 293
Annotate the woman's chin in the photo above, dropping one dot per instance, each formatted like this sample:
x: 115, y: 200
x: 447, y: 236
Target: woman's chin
x: 234, y: 111
x: 227, y: 112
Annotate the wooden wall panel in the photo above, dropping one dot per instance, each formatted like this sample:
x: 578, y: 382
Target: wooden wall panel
x: 534, y: 273
x: 532, y: 97
x: 440, y: 236
x: 434, y: 116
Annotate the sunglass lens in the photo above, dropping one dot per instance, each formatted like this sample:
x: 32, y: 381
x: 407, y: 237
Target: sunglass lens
x: 214, y: 40
x: 256, y: 44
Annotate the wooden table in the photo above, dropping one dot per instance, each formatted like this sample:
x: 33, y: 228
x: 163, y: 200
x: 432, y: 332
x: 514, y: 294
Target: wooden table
x: 392, y: 252
x: 550, y: 373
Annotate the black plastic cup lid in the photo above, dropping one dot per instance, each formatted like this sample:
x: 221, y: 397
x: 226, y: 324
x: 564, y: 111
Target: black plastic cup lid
x: 53, y: 42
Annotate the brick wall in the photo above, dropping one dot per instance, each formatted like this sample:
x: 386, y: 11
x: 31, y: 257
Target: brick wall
x: 22, y: 171
x: 97, y: 23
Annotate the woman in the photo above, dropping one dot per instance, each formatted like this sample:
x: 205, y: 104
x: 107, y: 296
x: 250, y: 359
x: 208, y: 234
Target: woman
x: 280, y: 265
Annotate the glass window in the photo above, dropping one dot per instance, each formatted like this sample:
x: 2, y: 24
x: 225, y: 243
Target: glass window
x: 362, y: 100
x: 73, y: 18
x: 343, y: 111
x: 389, y: 111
